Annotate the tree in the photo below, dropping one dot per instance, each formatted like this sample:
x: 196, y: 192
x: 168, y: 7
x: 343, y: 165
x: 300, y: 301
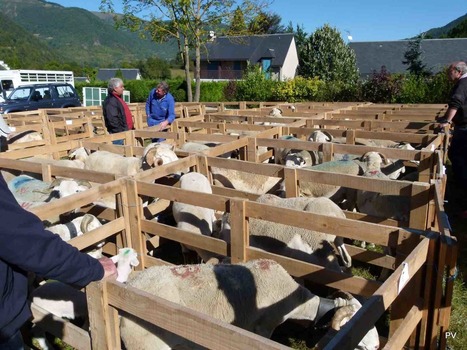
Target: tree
x: 325, y: 55
x: 265, y: 23
x: 413, y: 58
x: 459, y: 31
x: 154, y: 68
x: 186, y: 21
x: 237, y: 25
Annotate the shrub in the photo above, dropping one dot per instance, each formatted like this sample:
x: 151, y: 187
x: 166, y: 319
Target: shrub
x: 230, y: 90
x: 296, y: 90
x: 334, y: 91
x: 212, y: 91
x: 254, y: 86
x: 382, y: 87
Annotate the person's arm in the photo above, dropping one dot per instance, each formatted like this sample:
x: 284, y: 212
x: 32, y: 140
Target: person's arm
x: 25, y: 244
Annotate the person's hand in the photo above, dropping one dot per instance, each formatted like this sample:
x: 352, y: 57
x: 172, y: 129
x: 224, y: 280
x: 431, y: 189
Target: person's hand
x: 163, y: 125
x: 109, y: 267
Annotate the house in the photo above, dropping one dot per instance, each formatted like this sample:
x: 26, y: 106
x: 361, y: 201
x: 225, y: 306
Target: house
x: 436, y: 54
x: 105, y: 74
x: 227, y: 57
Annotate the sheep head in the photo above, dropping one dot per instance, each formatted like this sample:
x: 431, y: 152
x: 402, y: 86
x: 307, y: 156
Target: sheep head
x: 126, y: 258
x: 342, y: 315
x: 89, y: 223
x: 159, y: 154
x: 80, y: 153
x: 320, y: 136
x: 276, y: 112
x: 66, y: 187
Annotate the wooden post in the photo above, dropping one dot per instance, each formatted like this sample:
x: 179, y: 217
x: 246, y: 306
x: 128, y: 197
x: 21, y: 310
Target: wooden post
x: 103, y: 319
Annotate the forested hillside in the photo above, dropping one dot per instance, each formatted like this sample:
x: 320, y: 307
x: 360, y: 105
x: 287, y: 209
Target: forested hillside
x: 78, y: 35
x: 19, y: 47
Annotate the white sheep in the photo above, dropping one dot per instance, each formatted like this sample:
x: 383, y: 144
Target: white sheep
x: 257, y: 296
x: 24, y: 136
x: 377, y: 204
x: 194, y: 218
x: 311, y: 246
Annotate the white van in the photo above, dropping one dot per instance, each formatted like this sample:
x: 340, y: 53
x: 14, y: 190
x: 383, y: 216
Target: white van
x: 11, y: 79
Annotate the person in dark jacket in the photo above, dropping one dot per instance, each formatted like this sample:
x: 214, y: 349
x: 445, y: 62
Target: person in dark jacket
x: 160, y: 108
x: 117, y: 114
x: 25, y: 246
x: 456, y: 114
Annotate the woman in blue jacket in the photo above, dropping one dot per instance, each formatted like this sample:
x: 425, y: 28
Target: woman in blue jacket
x: 26, y: 246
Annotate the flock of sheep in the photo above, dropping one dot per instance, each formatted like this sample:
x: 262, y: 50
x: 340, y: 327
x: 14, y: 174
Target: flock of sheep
x: 257, y: 295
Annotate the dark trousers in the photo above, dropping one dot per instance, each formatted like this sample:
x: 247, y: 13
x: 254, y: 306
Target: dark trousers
x: 458, y: 156
x: 14, y: 343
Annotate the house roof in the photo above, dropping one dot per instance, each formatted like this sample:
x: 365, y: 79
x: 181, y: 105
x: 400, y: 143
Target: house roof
x: 436, y: 54
x: 249, y: 48
x: 127, y: 73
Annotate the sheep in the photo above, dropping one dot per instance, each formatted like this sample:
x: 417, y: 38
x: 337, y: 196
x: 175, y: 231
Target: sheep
x: 293, y: 157
x: 113, y: 163
x: 377, y: 204
x: 24, y: 136
x: 155, y: 154
x: 244, y: 181
x: 320, y: 137
x: 159, y: 153
x: 294, y: 241
x: 194, y: 218
x: 257, y: 296
x: 30, y: 192
x: 345, y: 166
x: 77, y: 227
x: 276, y: 112
x: 62, y: 300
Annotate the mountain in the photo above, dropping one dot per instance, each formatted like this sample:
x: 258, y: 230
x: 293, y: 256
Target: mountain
x: 78, y: 35
x: 20, y: 48
x: 443, y: 32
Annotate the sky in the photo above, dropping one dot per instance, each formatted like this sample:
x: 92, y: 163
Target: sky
x: 362, y: 20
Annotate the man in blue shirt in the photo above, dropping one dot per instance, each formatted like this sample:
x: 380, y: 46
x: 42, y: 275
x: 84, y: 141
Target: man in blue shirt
x: 160, y: 108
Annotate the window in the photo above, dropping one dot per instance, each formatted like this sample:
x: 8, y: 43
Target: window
x: 21, y: 94
x: 65, y: 91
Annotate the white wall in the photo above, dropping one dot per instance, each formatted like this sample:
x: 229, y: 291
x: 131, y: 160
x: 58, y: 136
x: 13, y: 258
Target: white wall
x: 290, y: 63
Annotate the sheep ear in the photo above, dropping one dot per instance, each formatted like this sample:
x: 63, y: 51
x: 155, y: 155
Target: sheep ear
x: 115, y: 258
x: 134, y: 261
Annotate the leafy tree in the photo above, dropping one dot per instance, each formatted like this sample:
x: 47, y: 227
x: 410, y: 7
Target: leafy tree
x: 187, y: 21
x: 265, y: 23
x: 413, y: 58
x: 325, y: 55
x: 154, y: 68
x: 237, y: 25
